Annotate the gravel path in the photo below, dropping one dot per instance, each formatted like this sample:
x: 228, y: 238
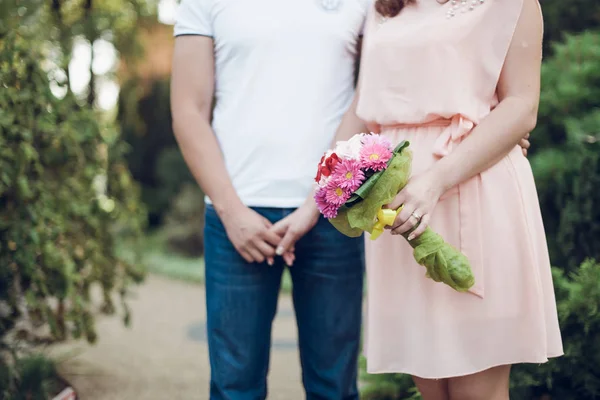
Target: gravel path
x: 163, y: 355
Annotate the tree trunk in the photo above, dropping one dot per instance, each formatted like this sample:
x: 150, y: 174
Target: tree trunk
x: 64, y: 41
x: 91, y: 36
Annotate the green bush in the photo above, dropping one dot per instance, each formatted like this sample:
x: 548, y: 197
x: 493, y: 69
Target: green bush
x: 562, y: 17
x: 579, y: 227
x: 570, y: 97
x: 576, y: 375
x: 184, y: 222
x: 564, y: 144
x: 65, y: 196
x: 386, y: 386
x: 155, y: 160
x: 33, y: 377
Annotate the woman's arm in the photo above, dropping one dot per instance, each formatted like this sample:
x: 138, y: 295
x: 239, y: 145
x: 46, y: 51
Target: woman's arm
x: 351, y: 124
x: 493, y: 138
x: 515, y: 115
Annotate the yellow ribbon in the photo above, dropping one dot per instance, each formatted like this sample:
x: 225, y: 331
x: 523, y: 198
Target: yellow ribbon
x: 385, y: 217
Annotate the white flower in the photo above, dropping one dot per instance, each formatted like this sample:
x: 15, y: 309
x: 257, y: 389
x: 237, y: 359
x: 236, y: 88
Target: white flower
x: 324, y: 181
x: 350, y: 149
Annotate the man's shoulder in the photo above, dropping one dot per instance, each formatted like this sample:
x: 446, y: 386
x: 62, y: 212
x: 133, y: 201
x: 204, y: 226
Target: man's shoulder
x: 194, y: 17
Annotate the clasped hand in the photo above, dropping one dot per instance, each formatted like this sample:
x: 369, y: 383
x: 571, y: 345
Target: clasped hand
x: 258, y: 240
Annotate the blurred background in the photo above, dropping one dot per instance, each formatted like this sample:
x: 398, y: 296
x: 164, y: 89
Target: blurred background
x: 101, y: 223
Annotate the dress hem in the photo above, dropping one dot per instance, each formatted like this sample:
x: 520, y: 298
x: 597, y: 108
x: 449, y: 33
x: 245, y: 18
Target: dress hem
x: 460, y: 374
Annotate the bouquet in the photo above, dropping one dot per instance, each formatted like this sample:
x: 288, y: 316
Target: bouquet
x: 357, y: 178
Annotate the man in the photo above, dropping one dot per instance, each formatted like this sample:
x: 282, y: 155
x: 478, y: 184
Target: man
x: 282, y: 73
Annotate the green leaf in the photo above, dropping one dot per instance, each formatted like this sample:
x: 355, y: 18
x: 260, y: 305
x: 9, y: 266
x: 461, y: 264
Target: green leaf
x: 363, y: 191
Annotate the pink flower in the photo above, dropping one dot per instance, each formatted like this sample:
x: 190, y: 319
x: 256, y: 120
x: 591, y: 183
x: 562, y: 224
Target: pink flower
x: 376, y: 152
x: 348, y: 175
x: 327, y: 209
x: 374, y: 138
x: 335, y: 193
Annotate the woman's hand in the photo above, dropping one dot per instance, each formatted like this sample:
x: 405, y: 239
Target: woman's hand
x: 525, y: 144
x: 293, y: 227
x: 419, y: 197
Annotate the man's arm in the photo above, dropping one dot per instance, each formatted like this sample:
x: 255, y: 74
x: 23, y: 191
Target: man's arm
x: 192, y: 89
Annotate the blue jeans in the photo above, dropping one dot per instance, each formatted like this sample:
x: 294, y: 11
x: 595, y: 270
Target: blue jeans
x: 241, y: 302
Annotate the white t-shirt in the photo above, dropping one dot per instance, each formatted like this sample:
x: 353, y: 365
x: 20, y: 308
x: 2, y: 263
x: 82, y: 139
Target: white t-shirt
x: 284, y: 78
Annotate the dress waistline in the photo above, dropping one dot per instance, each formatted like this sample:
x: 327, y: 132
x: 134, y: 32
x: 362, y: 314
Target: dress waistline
x: 456, y: 129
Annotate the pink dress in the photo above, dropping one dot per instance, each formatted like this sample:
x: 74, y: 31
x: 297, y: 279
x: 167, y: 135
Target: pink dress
x: 429, y: 79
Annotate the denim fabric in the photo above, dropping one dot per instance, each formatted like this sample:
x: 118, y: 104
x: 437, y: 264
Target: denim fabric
x: 241, y: 301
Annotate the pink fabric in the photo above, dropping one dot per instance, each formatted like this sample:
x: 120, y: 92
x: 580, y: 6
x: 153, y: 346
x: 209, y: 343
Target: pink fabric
x: 430, y: 80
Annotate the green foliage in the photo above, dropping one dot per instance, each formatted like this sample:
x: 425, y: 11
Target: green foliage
x: 561, y: 17
x: 184, y: 222
x: 156, y: 163
x: 387, y: 386
x: 57, y: 24
x: 570, y: 98
x: 564, y: 141
x: 172, y: 173
x: 576, y: 375
x: 65, y: 194
x: 579, y: 227
x: 33, y: 377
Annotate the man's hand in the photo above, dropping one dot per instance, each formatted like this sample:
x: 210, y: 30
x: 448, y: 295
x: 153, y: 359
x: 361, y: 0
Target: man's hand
x: 525, y: 145
x: 250, y: 234
x: 293, y: 227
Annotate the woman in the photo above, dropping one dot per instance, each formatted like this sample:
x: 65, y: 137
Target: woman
x: 460, y: 81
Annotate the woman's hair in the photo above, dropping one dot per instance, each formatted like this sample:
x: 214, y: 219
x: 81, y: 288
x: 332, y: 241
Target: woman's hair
x: 390, y: 8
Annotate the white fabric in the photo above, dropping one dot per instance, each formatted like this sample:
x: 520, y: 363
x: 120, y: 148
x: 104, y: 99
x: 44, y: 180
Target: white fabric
x: 284, y: 78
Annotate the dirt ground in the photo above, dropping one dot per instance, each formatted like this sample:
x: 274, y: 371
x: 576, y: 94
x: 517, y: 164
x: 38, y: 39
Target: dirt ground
x: 163, y: 355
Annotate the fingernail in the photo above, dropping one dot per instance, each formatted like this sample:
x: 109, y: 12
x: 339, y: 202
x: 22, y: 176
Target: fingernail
x: 270, y: 262
x: 411, y: 237
x: 279, y: 251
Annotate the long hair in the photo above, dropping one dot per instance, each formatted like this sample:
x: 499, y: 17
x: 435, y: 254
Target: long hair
x: 390, y: 8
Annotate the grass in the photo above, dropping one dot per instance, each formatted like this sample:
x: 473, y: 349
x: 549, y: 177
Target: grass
x: 159, y: 260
